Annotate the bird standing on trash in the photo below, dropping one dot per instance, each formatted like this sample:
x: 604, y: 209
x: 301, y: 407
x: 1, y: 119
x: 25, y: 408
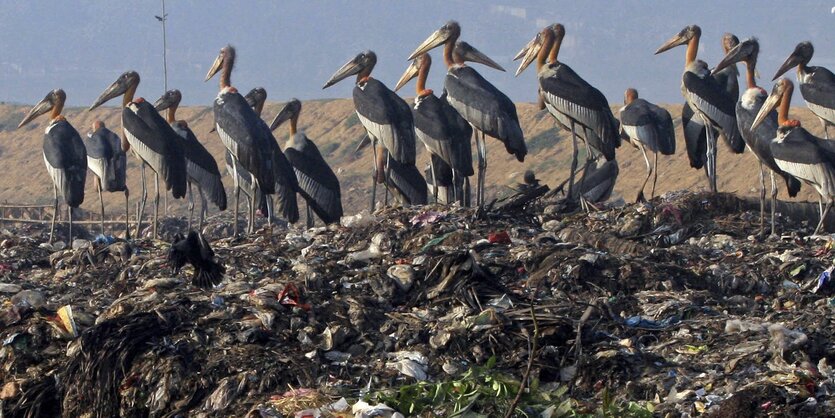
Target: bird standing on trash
x: 195, y: 250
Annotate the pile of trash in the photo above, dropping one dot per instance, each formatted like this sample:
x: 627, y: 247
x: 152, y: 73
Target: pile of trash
x: 678, y: 305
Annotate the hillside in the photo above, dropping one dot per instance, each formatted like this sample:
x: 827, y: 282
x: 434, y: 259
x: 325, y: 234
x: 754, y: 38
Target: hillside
x: 336, y: 130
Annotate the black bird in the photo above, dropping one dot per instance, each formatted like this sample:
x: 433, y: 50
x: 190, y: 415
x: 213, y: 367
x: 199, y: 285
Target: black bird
x: 195, y: 250
x: 201, y: 166
x: 758, y: 140
x: 152, y: 139
x: 598, y: 181
x: 109, y: 163
x: 386, y: 118
x: 648, y: 126
x: 243, y: 133
x: 486, y: 108
x: 572, y: 101
x: 443, y: 131
x: 318, y: 184
x: 63, y: 153
x: 286, y: 182
x: 817, y: 84
x: 708, y: 99
x: 796, y: 151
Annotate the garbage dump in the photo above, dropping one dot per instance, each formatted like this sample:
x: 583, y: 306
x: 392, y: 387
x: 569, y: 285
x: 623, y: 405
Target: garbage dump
x: 674, y: 307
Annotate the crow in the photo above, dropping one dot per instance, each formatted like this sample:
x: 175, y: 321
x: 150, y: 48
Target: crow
x: 195, y: 249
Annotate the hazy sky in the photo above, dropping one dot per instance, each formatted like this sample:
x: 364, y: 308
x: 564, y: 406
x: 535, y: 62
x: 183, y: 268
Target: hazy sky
x: 292, y: 47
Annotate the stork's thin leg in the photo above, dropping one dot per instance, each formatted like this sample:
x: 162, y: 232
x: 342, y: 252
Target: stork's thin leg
x: 434, y: 180
x: 388, y: 178
x: 204, y: 208
x: 101, y: 203
x: 190, y: 205
x: 640, y: 197
x: 773, y: 202
x: 468, y: 193
x: 711, y: 155
x: 69, y: 221
x: 573, y: 161
x: 654, y: 175
x: 54, y: 215
x: 255, y: 203
x: 127, y: 213
x: 374, y: 175
x: 823, y: 216
x: 482, y: 168
x: 270, y: 211
x: 235, y: 217
x: 142, y: 201
x: 309, y: 216
x: 762, y: 196
x: 156, y: 204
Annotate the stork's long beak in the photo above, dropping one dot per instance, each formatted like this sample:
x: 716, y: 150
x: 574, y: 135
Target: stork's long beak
x: 364, y: 142
x: 792, y: 61
x: 673, y: 42
x: 471, y: 54
x: 410, y: 73
x: 216, y: 66
x: 770, y: 103
x: 433, y: 41
x: 163, y: 102
x: 118, y: 88
x: 531, y: 51
x: 42, y: 107
x: 524, y: 51
x: 350, y: 68
x: 735, y: 55
x: 286, y: 113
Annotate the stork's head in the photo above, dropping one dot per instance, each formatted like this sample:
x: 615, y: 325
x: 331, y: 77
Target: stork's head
x: 126, y: 82
x: 421, y: 61
x: 256, y: 99
x: 54, y: 99
x: 225, y: 58
x: 630, y: 95
x: 745, y: 51
x: 801, y: 55
x: 466, y: 52
x: 729, y: 41
x: 98, y: 125
x: 362, y: 64
x: 555, y: 32
x: 290, y: 111
x: 682, y: 37
x: 171, y: 98
x: 781, y: 91
x: 450, y: 31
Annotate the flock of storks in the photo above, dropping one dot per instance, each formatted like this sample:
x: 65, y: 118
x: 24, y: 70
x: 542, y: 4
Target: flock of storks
x: 469, y: 106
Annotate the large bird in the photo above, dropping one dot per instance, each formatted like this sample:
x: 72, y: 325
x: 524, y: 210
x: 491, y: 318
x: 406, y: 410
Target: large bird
x: 243, y: 134
x: 109, y: 163
x: 152, y: 140
x: 442, y: 130
x: 709, y: 100
x: 63, y: 153
x: 487, y: 109
x: 758, y: 140
x: 195, y: 250
x: 817, y: 84
x: 318, y: 183
x: 572, y: 101
x: 796, y: 151
x: 201, y: 167
x: 648, y: 126
x: 387, y: 121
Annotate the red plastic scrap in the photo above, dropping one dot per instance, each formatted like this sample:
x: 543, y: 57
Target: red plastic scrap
x: 501, y: 237
x: 290, y: 296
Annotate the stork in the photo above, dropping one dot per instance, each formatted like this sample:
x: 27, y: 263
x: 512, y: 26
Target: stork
x: 487, y: 109
x: 152, y: 139
x: 385, y: 117
x: 441, y: 129
x: 796, y: 151
x: 708, y: 99
x: 648, y: 126
x: 63, y: 153
x: 108, y: 162
x: 817, y: 84
x: 693, y: 128
x: 571, y: 100
x: 757, y: 140
x: 318, y: 183
x: 286, y: 183
x: 598, y: 181
x: 243, y: 134
x: 201, y: 167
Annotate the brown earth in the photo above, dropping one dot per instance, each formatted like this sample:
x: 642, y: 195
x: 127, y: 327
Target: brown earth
x: 336, y: 130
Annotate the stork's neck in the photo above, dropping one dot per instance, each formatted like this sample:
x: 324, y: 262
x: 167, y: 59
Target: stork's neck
x: 293, y: 123
x: 555, y: 50
x: 258, y: 108
x: 783, y: 111
x: 545, y: 50
x: 364, y: 75
x: 423, y: 73
x: 749, y: 74
x: 448, y: 49
x: 171, y: 116
x: 128, y: 96
x: 56, y: 110
x: 692, y: 50
x: 226, y: 73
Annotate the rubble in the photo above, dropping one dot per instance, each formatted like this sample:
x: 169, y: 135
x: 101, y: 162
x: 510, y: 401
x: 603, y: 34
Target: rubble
x: 676, y: 306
